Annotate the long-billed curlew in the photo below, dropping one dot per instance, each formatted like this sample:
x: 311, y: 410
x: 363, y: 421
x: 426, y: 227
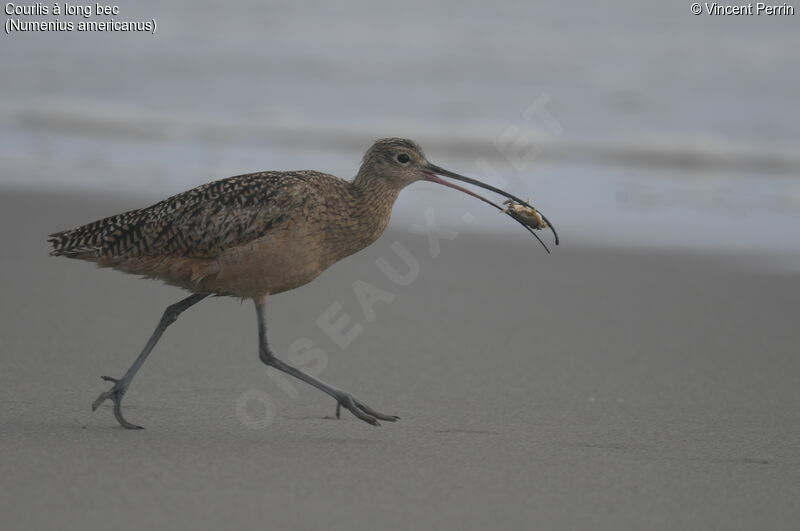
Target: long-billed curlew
x: 255, y: 235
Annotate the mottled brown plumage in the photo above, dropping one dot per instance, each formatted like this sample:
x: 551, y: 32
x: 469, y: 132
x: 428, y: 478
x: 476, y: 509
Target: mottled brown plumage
x: 247, y: 236
x: 254, y: 235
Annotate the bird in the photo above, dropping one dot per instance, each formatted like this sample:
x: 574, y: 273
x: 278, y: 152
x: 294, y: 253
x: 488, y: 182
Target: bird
x: 256, y: 235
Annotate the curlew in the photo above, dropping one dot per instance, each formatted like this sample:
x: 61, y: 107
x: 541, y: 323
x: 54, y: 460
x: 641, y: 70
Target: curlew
x: 259, y: 234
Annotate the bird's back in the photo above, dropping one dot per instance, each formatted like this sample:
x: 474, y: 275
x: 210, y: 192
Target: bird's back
x: 198, y: 223
x: 181, y: 239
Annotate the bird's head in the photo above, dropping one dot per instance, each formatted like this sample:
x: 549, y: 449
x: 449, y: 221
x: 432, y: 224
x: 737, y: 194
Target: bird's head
x: 401, y: 161
x: 397, y: 160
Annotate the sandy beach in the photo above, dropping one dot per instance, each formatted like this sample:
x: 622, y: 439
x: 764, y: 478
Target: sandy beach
x: 590, y: 389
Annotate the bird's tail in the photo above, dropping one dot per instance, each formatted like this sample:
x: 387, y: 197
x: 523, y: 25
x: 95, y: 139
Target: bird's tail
x: 89, y: 240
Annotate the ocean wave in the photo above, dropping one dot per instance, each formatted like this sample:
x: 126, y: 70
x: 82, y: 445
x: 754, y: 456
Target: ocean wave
x: 695, y: 153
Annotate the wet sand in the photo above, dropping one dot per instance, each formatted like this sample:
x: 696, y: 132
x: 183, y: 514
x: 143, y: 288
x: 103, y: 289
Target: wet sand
x: 591, y: 389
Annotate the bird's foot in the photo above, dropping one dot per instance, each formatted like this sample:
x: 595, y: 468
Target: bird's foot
x: 362, y: 411
x: 115, y: 394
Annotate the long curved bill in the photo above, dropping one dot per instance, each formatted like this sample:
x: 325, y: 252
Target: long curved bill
x: 432, y: 173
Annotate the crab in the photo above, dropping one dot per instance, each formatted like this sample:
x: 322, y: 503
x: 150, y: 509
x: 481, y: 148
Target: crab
x: 528, y: 216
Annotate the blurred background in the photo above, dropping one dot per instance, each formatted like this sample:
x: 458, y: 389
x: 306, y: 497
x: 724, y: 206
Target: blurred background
x: 635, y: 123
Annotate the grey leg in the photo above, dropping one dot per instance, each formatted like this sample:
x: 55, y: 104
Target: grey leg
x: 116, y: 392
x: 342, y: 398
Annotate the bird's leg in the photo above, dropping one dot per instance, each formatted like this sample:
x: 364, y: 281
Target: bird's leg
x: 342, y: 398
x: 117, y: 391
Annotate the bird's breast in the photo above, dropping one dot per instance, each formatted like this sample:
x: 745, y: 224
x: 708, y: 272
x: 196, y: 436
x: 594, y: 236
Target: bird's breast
x: 280, y: 261
x: 295, y: 253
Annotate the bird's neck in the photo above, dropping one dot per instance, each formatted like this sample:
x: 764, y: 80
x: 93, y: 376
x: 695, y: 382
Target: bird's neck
x: 373, y: 199
x: 370, y: 209
x: 374, y: 192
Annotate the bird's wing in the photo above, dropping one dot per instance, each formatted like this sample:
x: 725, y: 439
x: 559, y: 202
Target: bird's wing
x: 198, y: 223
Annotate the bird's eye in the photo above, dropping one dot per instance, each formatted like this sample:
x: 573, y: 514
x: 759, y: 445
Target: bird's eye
x: 403, y: 158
